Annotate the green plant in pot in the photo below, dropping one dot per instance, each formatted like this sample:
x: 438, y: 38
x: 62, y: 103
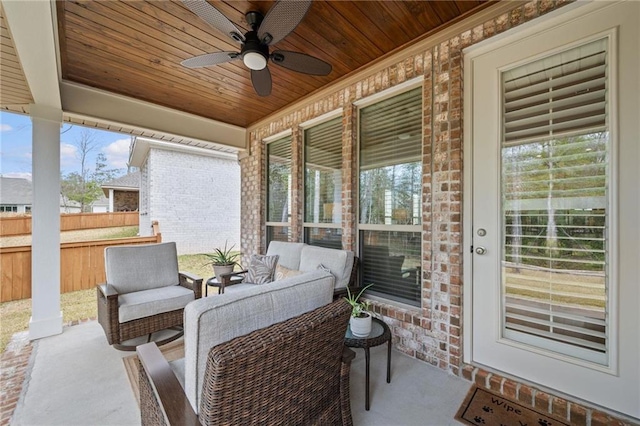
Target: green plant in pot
x: 360, y: 321
x: 222, y: 260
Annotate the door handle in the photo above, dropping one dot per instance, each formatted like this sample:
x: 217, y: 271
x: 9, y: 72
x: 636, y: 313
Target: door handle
x: 481, y: 250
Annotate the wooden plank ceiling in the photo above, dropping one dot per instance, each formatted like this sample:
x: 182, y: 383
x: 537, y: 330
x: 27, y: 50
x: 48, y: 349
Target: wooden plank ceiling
x: 134, y: 48
x: 14, y: 90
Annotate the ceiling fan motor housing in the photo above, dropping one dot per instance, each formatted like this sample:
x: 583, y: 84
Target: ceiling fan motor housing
x: 252, y: 45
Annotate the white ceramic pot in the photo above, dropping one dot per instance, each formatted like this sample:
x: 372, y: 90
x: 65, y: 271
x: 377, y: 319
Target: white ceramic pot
x: 360, y: 327
x: 221, y: 270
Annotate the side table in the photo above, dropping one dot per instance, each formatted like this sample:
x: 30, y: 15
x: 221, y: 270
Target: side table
x: 213, y: 282
x: 380, y: 333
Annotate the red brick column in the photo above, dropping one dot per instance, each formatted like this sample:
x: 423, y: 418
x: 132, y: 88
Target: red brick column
x: 349, y: 178
x: 297, y: 182
x: 253, y: 198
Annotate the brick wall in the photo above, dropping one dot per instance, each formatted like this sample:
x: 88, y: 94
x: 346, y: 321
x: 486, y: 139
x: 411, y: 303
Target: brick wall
x: 125, y: 201
x: 433, y: 333
x: 194, y: 198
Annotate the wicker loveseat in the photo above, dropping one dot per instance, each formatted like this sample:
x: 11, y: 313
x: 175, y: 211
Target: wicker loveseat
x: 304, y: 258
x: 273, y: 354
x: 144, y: 293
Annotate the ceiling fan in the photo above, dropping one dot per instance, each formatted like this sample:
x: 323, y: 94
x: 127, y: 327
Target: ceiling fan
x: 281, y: 19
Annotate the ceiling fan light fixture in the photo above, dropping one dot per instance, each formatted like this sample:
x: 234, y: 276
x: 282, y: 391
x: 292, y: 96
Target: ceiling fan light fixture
x: 254, y: 60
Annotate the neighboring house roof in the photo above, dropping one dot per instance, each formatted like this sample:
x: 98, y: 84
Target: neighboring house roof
x: 15, y: 191
x: 128, y: 182
x: 19, y: 191
x: 65, y: 202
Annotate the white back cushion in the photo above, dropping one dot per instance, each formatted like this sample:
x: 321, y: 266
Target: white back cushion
x: 340, y: 262
x: 141, y: 267
x: 289, y: 253
x: 214, y: 320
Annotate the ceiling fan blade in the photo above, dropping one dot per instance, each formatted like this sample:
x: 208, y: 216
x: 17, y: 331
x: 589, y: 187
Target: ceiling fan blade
x: 215, y: 18
x: 300, y: 62
x: 281, y: 19
x: 210, y: 59
x: 261, y: 80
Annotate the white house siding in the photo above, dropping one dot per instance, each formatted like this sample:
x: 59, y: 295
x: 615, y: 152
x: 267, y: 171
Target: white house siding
x: 145, y: 220
x: 195, y: 199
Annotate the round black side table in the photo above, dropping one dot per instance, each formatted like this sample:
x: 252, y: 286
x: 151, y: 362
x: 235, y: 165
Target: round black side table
x: 213, y: 282
x: 380, y: 333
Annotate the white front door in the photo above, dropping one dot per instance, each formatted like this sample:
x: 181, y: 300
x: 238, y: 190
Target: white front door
x: 554, y: 176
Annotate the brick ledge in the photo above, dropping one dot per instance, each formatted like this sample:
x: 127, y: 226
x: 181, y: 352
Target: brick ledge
x: 577, y: 413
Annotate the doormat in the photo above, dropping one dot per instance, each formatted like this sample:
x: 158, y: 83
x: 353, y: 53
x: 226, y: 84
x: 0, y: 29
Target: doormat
x: 484, y: 407
x: 171, y: 351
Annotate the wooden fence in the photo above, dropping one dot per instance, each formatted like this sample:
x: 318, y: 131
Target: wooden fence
x: 81, y: 266
x: 21, y: 225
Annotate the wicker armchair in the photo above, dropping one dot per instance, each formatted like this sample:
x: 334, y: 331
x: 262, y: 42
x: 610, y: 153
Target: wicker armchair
x: 293, y: 372
x: 144, y: 293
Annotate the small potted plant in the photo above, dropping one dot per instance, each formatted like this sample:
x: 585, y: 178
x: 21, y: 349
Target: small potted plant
x: 223, y: 261
x: 360, y: 321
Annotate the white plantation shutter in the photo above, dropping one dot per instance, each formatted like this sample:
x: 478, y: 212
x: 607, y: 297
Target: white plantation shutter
x: 323, y: 145
x: 323, y: 184
x: 558, y: 95
x: 280, y: 151
x: 391, y: 131
x: 555, y: 165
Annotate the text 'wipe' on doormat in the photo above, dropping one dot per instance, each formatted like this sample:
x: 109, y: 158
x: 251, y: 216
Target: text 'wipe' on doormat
x: 483, y: 407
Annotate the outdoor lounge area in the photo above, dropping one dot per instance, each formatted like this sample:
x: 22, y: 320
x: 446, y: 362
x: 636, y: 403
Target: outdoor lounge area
x: 477, y: 161
x: 81, y: 350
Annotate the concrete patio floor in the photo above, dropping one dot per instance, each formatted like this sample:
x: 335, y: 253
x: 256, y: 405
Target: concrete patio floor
x: 76, y: 378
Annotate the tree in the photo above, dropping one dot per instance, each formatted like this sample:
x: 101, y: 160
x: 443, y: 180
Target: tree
x: 74, y: 187
x: 101, y: 173
x: 85, y: 193
x: 84, y: 186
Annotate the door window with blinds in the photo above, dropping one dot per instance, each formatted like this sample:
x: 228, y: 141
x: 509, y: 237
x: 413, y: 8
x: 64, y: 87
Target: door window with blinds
x: 390, y: 212
x: 279, y: 190
x: 555, y: 210
x: 323, y: 184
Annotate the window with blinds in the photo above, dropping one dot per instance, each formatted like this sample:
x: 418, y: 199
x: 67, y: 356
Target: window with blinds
x: 390, y: 189
x: 323, y: 184
x: 279, y: 189
x: 555, y: 210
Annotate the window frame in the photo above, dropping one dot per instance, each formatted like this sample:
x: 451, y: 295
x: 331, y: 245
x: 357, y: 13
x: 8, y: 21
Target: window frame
x: 359, y: 227
x: 271, y: 224
x: 305, y: 126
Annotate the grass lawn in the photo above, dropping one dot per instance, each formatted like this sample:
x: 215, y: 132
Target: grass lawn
x: 78, y: 305
x: 15, y: 315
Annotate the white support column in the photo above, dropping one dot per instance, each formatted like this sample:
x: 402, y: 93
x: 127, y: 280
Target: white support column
x: 46, y: 317
x: 111, y: 195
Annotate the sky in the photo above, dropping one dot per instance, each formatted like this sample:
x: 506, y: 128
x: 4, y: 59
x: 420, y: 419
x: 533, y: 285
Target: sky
x: 15, y: 147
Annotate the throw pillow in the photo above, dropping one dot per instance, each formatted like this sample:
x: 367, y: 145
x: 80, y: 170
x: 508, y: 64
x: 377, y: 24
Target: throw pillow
x: 283, y: 272
x: 261, y: 269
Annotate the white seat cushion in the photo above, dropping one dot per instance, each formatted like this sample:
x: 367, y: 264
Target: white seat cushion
x: 177, y: 367
x: 145, y: 303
